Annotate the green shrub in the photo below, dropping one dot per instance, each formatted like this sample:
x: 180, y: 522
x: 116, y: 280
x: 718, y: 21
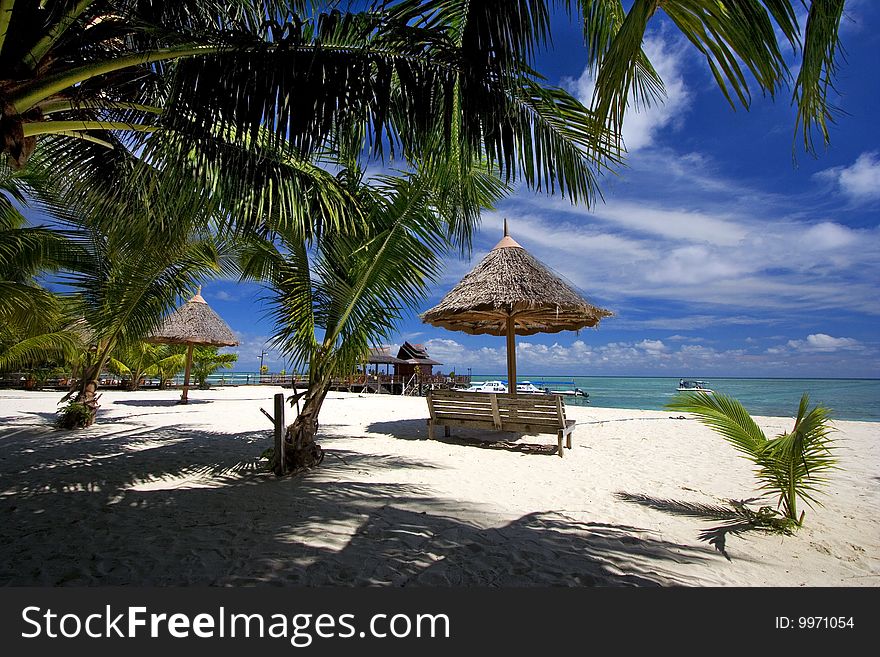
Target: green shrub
x: 74, y: 416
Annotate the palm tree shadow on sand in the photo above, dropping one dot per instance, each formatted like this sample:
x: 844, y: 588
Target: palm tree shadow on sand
x: 175, y: 506
x: 736, y: 519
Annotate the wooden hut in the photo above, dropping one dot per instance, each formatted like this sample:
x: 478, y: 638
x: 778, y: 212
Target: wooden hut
x: 382, y: 356
x: 414, y: 358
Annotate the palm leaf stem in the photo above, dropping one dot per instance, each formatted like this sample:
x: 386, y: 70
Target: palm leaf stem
x: 60, y: 127
x: 87, y: 137
x: 32, y: 94
x: 65, y: 104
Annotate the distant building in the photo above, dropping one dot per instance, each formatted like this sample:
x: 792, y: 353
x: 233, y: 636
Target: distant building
x: 414, y: 357
x: 382, y: 356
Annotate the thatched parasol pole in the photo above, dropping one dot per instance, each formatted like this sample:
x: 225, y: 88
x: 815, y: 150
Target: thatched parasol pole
x: 511, y: 356
x: 184, y: 398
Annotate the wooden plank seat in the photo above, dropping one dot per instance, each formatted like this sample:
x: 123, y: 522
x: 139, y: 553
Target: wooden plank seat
x: 480, y: 410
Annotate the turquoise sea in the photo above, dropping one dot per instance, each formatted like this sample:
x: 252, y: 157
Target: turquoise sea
x: 848, y: 399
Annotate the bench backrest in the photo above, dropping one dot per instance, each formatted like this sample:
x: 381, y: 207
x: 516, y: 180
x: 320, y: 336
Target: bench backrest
x: 498, y: 408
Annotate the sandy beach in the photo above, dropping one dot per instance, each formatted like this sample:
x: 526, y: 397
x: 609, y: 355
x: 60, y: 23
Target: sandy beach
x: 161, y: 494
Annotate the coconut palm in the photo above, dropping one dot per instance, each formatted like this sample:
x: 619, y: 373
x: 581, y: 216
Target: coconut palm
x: 338, y: 295
x: 126, y: 282
x: 135, y: 361
x: 792, y: 465
x: 171, y: 362
x: 174, y: 83
x: 86, y: 68
x: 34, y: 325
x: 26, y: 252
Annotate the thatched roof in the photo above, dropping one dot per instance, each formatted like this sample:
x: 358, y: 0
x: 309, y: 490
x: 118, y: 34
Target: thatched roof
x: 415, y: 354
x: 510, y: 282
x: 382, y: 356
x: 195, y: 323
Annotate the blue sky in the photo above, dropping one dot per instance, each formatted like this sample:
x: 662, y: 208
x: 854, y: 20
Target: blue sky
x: 717, y: 252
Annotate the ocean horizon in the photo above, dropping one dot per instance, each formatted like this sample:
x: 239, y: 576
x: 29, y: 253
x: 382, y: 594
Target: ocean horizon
x: 847, y: 399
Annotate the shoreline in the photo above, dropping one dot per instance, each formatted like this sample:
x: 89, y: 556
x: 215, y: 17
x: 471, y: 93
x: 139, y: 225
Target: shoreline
x: 161, y: 494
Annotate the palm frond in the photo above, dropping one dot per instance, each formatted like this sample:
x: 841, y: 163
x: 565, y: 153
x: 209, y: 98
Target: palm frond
x: 58, y: 346
x: 726, y: 416
x: 821, y: 53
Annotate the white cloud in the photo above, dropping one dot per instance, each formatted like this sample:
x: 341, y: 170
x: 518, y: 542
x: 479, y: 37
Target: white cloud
x: 642, y: 125
x: 821, y: 342
x: 223, y: 295
x: 861, y: 180
x: 653, y: 346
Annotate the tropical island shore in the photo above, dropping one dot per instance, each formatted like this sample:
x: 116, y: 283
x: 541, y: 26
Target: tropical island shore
x: 161, y: 494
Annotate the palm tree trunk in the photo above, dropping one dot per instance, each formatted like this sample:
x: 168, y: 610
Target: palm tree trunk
x: 301, y: 450
x: 88, y: 392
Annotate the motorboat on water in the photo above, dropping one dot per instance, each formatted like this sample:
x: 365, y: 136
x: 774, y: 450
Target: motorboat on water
x: 529, y: 388
x: 688, y: 385
x: 486, y: 386
x: 553, y: 388
x: 522, y: 388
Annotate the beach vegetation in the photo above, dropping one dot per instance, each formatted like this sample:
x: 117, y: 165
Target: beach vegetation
x: 74, y: 416
x: 791, y: 466
x: 206, y: 361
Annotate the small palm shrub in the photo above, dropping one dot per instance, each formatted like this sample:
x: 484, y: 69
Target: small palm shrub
x: 74, y: 416
x: 791, y: 465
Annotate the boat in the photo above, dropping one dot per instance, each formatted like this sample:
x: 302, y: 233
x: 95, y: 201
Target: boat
x: 529, y: 388
x: 486, y: 386
x: 688, y: 385
x: 550, y: 388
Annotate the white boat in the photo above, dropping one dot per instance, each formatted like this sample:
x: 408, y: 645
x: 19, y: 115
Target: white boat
x: 528, y: 388
x: 486, y: 386
x: 562, y: 388
x: 686, y: 385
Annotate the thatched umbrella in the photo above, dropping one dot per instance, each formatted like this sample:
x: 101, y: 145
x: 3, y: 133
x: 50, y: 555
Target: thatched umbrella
x: 510, y: 293
x: 193, y: 324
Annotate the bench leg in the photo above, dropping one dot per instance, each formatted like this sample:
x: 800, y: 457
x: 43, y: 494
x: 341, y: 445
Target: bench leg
x: 430, y: 430
x: 568, y: 441
x: 446, y: 430
x: 559, y: 439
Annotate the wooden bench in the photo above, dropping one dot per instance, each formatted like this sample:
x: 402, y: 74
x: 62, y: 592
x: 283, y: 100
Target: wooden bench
x: 480, y: 410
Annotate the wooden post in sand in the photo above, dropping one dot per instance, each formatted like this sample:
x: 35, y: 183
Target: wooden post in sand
x: 280, y: 468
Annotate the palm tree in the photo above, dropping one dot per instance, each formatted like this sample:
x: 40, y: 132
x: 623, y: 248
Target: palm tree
x: 338, y: 295
x: 172, y: 361
x: 127, y: 280
x: 35, y: 325
x: 206, y: 361
x: 791, y: 465
x: 136, y: 360
x: 86, y: 68
x: 174, y: 83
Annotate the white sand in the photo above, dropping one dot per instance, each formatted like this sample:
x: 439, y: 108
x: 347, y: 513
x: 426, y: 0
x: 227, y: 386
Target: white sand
x: 157, y: 493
